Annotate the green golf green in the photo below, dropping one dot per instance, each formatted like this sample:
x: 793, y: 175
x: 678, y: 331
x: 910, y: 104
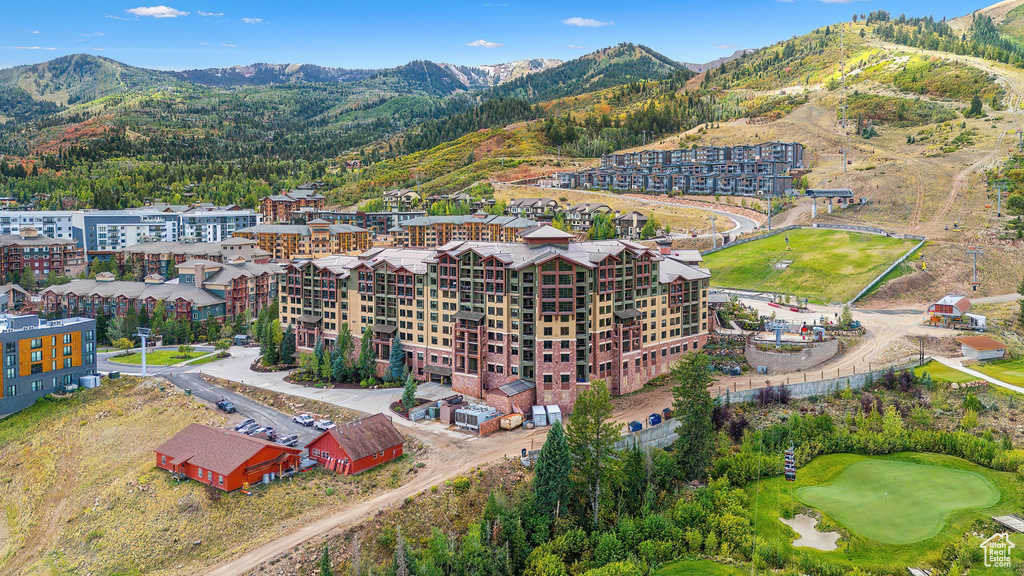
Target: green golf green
x: 897, y: 502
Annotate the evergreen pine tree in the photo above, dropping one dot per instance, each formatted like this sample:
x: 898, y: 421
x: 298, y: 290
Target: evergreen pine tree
x: 397, y: 359
x: 366, y: 359
x: 325, y: 563
x: 554, y: 464
x: 693, y: 406
x: 409, y: 394
x: 286, y: 354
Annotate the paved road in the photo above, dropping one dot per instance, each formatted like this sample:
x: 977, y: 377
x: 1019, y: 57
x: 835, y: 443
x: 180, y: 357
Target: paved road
x: 247, y: 408
x: 741, y: 224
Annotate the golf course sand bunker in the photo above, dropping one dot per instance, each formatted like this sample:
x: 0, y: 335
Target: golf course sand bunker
x: 804, y: 525
x: 896, y: 502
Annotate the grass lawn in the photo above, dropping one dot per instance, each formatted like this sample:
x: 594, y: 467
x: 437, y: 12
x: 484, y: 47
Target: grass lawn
x: 942, y: 373
x: 850, y: 488
x: 157, y: 358
x: 898, y: 502
x: 828, y: 265
x: 80, y: 492
x: 1009, y: 371
x: 698, y: 568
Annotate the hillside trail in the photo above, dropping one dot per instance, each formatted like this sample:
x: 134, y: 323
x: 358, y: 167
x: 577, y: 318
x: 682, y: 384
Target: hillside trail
x: 1013, y: 81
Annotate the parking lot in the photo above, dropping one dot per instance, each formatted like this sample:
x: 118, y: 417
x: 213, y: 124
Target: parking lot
x: 246, y: 408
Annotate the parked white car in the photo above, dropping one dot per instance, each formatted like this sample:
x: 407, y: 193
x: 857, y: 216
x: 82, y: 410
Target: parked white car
x: 303, y: 419
x: 323, y: 425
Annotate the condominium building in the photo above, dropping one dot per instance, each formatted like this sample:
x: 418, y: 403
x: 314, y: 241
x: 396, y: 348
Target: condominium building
x: 276, y: 208
x: 315, y: 239
x: 41, y: 357
x: 400, y: 200
x: 203, y: 289
x: 40, y: 254
x: 163, y: 257
x: 480, y: 315
x: 433, y: 231
x: 761, y: 169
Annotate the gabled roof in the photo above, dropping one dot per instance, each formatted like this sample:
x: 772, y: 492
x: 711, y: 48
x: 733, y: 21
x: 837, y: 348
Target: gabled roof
x: 981, y: 343
x: 216, y: 449
x: 365, y: 437
x: 546, y: 232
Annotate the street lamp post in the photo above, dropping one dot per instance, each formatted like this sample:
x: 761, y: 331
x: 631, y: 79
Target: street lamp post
x: 143, y: 334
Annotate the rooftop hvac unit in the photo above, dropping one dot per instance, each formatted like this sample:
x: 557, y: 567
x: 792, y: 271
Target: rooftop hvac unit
x: 473, y: 415
x: 540, y: 416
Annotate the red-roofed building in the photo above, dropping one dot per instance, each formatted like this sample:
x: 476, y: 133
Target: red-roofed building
x: 357, y: 446
x: 224, y: 459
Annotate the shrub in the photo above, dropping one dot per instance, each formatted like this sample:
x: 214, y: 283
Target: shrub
x: 461, y: 484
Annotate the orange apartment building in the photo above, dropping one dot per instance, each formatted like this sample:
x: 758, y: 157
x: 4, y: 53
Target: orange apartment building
x: 315, y: 239
x: 434, y: 231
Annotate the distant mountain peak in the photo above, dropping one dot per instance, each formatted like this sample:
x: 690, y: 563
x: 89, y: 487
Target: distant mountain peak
x: 495, y: 74
x: 698, y: 68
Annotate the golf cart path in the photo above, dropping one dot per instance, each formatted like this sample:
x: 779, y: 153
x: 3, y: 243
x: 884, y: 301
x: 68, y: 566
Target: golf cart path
x: 958, y: 365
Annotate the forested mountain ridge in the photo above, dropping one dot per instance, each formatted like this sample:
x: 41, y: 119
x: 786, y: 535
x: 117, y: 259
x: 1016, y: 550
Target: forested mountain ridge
x: 81, y: 78
x: 613, y: 66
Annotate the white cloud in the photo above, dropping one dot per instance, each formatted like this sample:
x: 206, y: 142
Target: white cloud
x: 105, y: 15
x: 156, y: 11
x: 586, y: 22
x: 99, y: 49
x: 210, y: 14
x: 229, y: 45
x: 87, y: 35
x: 35, y: 31
x: 252, y: 20
x: 481, y: 43
x: 574, y: 47
x: 34, y: 48
x: 204, y: 43
x: 725, y: 46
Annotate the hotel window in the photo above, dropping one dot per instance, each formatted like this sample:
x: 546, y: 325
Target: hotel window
x: 67, y: 338
x: 36, y: 343
x: 37, y: 356
x: 67, y: 350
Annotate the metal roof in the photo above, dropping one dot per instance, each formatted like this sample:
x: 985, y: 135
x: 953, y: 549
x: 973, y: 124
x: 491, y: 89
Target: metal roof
x: 517, y: 387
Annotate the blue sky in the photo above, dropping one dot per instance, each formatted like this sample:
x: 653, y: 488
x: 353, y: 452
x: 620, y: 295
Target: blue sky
x: 380, y: 33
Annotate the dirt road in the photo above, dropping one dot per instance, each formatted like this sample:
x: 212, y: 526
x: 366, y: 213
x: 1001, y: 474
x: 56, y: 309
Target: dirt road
x: 448, y: 458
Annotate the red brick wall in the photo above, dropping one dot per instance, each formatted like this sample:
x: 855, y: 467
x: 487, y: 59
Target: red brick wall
x: 491, y: 426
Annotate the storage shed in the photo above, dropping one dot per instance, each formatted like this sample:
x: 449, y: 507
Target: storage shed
x: 981, y: 347
x: 358, y: 445
x: 225, y: 459
x: 516, y: 396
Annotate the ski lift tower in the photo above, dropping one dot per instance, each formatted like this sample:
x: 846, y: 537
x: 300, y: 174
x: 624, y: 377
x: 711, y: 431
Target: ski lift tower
x: 777, y: 326
x: 974, y: 252
x: 143, y: 335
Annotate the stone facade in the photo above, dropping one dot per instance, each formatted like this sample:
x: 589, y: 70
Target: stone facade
x: 782, y: 362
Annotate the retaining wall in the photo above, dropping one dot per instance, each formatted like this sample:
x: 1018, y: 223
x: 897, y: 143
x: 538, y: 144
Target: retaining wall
x: 783, y: 362
x: 820, y: 387
x: 899, y: 261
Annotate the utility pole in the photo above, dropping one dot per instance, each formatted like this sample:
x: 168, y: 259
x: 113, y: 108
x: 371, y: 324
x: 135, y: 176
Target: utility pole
x: 974, y: 252
x: 714, y: 239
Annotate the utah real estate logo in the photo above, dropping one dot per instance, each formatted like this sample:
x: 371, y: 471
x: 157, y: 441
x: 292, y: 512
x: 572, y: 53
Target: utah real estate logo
x: 997, y: 550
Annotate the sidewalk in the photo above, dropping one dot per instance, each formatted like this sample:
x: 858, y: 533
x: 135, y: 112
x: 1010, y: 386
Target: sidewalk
x: 956, y: 364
